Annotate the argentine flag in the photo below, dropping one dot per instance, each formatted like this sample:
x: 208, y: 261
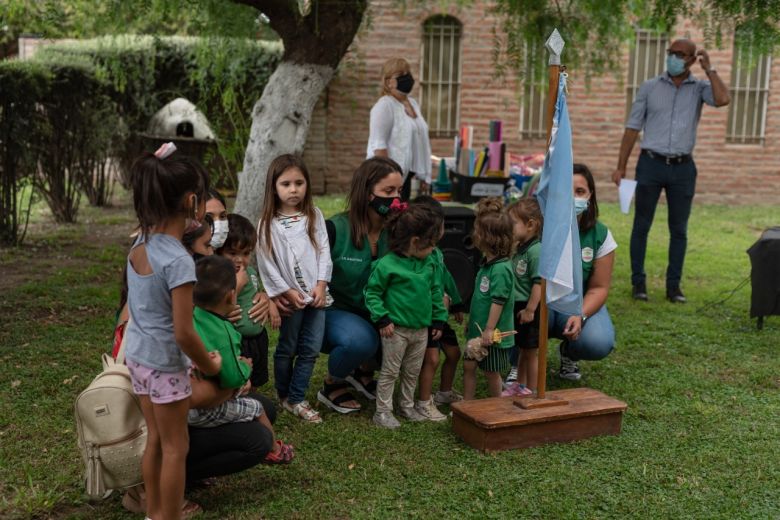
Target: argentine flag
x: 560, y: 260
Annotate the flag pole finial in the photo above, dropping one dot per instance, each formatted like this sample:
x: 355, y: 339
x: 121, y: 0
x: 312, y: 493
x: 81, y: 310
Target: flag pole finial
x: 554, y: 46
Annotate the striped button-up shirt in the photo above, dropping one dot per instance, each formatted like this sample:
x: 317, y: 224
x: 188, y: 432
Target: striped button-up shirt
x: 669, y: 114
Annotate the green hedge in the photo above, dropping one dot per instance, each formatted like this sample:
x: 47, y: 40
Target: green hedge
x: 223, y: 77
x: 76, y: 104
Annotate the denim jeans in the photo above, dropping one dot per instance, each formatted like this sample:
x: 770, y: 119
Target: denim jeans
x: 349, y: 341
x: 679, y: 182
x: 596, y: 340
x: 300, y: 340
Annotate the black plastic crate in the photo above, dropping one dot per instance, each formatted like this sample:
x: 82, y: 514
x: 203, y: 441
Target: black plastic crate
x: 470, y: 189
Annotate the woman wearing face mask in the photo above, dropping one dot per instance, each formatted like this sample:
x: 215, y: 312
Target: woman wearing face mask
x: 592, y: 335
x: 216, y: 208
x: 356, y: 238
x: 397, y: 129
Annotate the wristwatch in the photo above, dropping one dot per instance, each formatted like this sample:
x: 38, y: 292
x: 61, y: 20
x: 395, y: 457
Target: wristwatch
x: 710, y: 71
x: 584, y: 318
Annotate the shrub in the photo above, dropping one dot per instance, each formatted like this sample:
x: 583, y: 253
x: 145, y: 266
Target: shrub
x: 22, y: 131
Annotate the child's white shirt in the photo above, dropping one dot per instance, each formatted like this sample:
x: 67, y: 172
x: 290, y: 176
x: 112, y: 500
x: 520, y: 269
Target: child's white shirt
x: 292, y: 247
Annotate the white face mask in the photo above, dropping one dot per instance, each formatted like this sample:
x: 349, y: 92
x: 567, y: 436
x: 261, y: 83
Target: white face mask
x: 580, y: 205
x: 220, y: 233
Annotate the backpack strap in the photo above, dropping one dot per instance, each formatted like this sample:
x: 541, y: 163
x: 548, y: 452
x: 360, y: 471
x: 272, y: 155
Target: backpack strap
x: 120, y: 355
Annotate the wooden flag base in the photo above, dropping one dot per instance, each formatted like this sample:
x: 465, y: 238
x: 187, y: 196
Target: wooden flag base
x: 501, y: 423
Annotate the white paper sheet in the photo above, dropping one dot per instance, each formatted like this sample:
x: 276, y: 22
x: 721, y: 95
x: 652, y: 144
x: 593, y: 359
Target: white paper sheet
x: 626, y: 193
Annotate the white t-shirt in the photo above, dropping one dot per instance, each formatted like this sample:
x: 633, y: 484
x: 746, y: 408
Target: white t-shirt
x: 608, y: 246
x: 405, y: 138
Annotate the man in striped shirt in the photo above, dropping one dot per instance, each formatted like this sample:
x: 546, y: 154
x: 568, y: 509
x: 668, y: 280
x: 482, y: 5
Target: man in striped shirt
x: 667, y: 108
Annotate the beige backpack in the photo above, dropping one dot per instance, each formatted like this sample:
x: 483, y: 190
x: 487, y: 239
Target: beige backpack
x: 111, y: 429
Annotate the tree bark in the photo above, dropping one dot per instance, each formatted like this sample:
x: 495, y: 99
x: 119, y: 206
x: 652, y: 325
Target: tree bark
x: 280, y: 123
x: 314, y: 45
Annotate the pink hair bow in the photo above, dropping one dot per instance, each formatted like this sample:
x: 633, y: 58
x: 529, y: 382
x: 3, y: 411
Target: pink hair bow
x: 397, y: 205
x: 165, y: 150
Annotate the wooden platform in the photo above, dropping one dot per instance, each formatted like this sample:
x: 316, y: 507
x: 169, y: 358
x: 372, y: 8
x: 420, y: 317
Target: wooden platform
x: 497, y: 424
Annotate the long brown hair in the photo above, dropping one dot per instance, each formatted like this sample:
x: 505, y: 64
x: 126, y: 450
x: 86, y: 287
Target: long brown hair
x: 493, y: 228
x: 368, y: 174
x: 271, y: 202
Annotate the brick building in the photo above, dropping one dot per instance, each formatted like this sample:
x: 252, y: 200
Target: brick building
x: 450, y: 50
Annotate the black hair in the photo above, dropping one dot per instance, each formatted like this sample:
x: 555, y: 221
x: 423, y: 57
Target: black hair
x: 214, y: 194
x: 588, y: 219
x: 241, y: 233
x: 188, y: 240
x: 417, y: 220
x: 159, y: 186
x: 430, y: 202
x: 216, y: 276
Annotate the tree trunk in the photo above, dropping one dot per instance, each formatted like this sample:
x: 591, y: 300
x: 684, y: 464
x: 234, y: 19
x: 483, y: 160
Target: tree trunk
x: 314, y: 44
x: 280, y: 123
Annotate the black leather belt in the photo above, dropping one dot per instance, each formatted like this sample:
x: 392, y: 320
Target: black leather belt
x: 668, y: 159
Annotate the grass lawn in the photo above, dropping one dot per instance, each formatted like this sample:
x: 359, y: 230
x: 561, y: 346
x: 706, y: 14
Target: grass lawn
x: 700, y: 382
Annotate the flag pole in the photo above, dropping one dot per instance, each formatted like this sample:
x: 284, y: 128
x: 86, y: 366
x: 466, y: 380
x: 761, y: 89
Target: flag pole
x: 554, y: 46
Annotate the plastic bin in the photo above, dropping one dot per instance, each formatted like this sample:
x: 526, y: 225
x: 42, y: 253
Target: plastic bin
x: 468, y: 190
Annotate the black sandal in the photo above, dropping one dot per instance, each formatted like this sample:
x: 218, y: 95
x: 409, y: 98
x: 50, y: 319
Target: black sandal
x: 367, y: 389
x: 324, y: 396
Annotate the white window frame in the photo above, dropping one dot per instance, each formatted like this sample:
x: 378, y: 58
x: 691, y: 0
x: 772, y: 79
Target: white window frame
x: 535, y: 87
x: 750, y: 77
x: 656, y: 43
x: 441, y: 27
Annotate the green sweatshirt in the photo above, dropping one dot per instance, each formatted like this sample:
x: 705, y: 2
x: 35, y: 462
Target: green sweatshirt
x: 245, y: 325
x: 526, y: 265
x: 495, y: 283
x: 219, y: 335
x: 351, y: 266
x: 405, y: 291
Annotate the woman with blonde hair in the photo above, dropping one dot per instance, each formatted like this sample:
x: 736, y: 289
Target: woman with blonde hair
x: 397, y: 129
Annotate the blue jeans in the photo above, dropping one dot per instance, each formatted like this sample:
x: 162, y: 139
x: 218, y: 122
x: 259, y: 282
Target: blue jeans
x: 300, y: 340
x: 679, y: 182
x: 349, y: 341
x: 596, y: 340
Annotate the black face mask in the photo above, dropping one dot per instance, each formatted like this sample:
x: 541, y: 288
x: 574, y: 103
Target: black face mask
x: 404, y: 83
x: 197, y: 256
x: 382, y: 204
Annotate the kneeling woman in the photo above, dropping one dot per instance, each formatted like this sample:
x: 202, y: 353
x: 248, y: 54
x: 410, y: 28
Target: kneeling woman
x: 590, y: 336
x: 357, y: 238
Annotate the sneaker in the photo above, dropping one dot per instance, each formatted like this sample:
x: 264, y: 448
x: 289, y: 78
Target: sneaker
x: 511, y: 378
x: 428, y: 410
x: 639, y: 292
x: 450, y: 396
x: 386, y: 420
x: 410, y: 414
x: 569, y: 369
x: 516, y: 389
x: 675, y: 295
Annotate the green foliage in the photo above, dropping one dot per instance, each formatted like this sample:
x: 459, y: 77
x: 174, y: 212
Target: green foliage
x: 224, y: 77
x: 596, y: 31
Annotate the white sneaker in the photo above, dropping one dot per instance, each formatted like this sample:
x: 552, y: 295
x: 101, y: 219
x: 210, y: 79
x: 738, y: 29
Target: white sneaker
x: 450, y: 396
x: 410, y: 414
x: 428, y: 410
x: 386, y: 420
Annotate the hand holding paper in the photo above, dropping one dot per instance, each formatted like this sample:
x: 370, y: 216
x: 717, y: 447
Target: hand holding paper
x: 626, y: 193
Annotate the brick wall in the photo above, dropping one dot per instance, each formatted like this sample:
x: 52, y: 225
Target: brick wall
x: 727, y: 173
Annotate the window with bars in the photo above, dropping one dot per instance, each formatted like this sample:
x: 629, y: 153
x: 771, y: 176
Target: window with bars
x: 532, y: 109
x: 647, y: 60
x: 440, y: 75
x: 749, y: 94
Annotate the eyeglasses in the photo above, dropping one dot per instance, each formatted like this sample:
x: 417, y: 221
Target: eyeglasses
x: 679, y: 54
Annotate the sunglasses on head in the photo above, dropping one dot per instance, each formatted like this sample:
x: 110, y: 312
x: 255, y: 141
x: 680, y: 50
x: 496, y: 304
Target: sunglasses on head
x: 679, y: 54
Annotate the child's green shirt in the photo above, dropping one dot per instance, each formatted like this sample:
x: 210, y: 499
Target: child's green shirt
x: 405, y: 291
x: 219, y: 335
x: 526, y: 266
x: 495, y: 283
x: 246, y: 326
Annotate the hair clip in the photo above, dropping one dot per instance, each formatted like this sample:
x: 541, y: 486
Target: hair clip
x: 397, y: 205
x: 165, y: 150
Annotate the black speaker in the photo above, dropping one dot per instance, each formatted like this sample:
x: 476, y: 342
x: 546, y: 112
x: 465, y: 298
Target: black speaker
x: 460, y: 256
x: 765, y: 275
